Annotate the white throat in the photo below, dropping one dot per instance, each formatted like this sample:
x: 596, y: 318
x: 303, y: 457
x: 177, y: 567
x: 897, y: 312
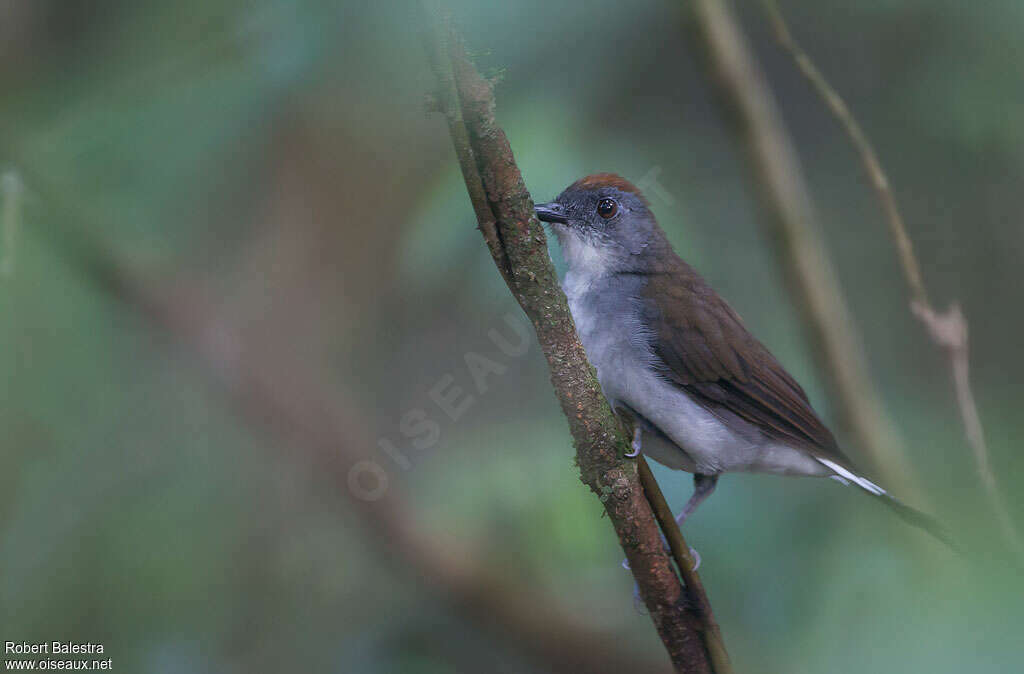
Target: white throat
x: 583, y: 257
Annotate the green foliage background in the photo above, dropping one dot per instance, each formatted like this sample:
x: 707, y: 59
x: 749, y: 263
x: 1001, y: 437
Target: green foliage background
x: 279, y: 156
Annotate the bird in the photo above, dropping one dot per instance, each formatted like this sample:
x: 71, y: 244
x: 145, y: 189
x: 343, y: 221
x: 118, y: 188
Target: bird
x: 705, y: 396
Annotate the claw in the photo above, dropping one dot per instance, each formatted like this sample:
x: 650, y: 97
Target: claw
x: 638, y: 601
x: 635, y: 445
x: 696, y: 557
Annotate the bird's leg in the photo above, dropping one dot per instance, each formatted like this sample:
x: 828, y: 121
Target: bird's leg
x: 703, y: 485
x: 638, y: 434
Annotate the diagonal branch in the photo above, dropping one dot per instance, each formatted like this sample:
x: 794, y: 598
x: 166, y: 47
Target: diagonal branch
x: 448, y: 104
x: 504, y: 211
x: 908, y: 261
x: 947, y: 330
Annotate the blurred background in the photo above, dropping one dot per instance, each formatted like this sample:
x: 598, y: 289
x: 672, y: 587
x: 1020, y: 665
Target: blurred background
x: 240, y: 267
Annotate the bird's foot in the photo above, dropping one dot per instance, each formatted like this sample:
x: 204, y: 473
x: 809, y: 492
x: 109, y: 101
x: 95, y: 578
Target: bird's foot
x: 693, y: 553
x: 638, y: 602
x: 636, y: 444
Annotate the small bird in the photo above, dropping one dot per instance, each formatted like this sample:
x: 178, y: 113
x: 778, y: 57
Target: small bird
x: 706, y: 396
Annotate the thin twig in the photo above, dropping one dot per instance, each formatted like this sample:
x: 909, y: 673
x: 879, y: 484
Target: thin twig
x: 517, y: 243
x: 686, y: 564
x: 911, y: 269
x: 947, y: 330
x: 793, y: 229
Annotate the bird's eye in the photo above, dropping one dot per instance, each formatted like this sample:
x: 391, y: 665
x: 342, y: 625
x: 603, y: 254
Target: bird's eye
x: 606, y: 208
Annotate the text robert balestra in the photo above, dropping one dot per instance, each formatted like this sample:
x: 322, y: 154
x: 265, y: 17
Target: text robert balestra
x: 51, y: 648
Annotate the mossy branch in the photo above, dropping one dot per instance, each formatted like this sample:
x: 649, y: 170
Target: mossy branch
x: 516, y: 240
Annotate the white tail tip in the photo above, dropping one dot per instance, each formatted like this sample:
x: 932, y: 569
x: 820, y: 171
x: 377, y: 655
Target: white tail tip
x: 863, y: 483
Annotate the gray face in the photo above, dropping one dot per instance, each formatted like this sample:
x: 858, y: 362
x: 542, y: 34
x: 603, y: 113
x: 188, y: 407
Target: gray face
x: 603, y: 229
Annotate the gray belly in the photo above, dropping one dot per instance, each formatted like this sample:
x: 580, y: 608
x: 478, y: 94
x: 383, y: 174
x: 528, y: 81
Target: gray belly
x: 680, y: 432
x: 686, y: 436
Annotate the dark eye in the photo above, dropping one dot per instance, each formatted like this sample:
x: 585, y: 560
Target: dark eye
x: 606, y: 208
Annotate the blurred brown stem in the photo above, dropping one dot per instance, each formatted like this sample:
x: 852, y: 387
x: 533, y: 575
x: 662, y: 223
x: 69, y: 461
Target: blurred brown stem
x: 10, y: 219
x: 949, y: 330
x: 504, y: 211
x: 790, y: 220
x: 287, y: 401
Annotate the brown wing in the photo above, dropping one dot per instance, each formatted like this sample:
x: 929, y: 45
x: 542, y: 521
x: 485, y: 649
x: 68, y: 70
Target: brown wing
x: 706, y: 350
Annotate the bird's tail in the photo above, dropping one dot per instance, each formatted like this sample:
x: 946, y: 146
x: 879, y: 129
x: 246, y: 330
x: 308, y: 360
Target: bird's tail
x: 921, y: 520
x: 911, y: 516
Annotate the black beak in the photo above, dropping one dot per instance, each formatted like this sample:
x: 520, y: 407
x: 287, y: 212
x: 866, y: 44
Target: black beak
x: 551, y: 212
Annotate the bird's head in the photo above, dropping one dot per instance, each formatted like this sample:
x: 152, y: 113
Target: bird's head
x: 604, y: 225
